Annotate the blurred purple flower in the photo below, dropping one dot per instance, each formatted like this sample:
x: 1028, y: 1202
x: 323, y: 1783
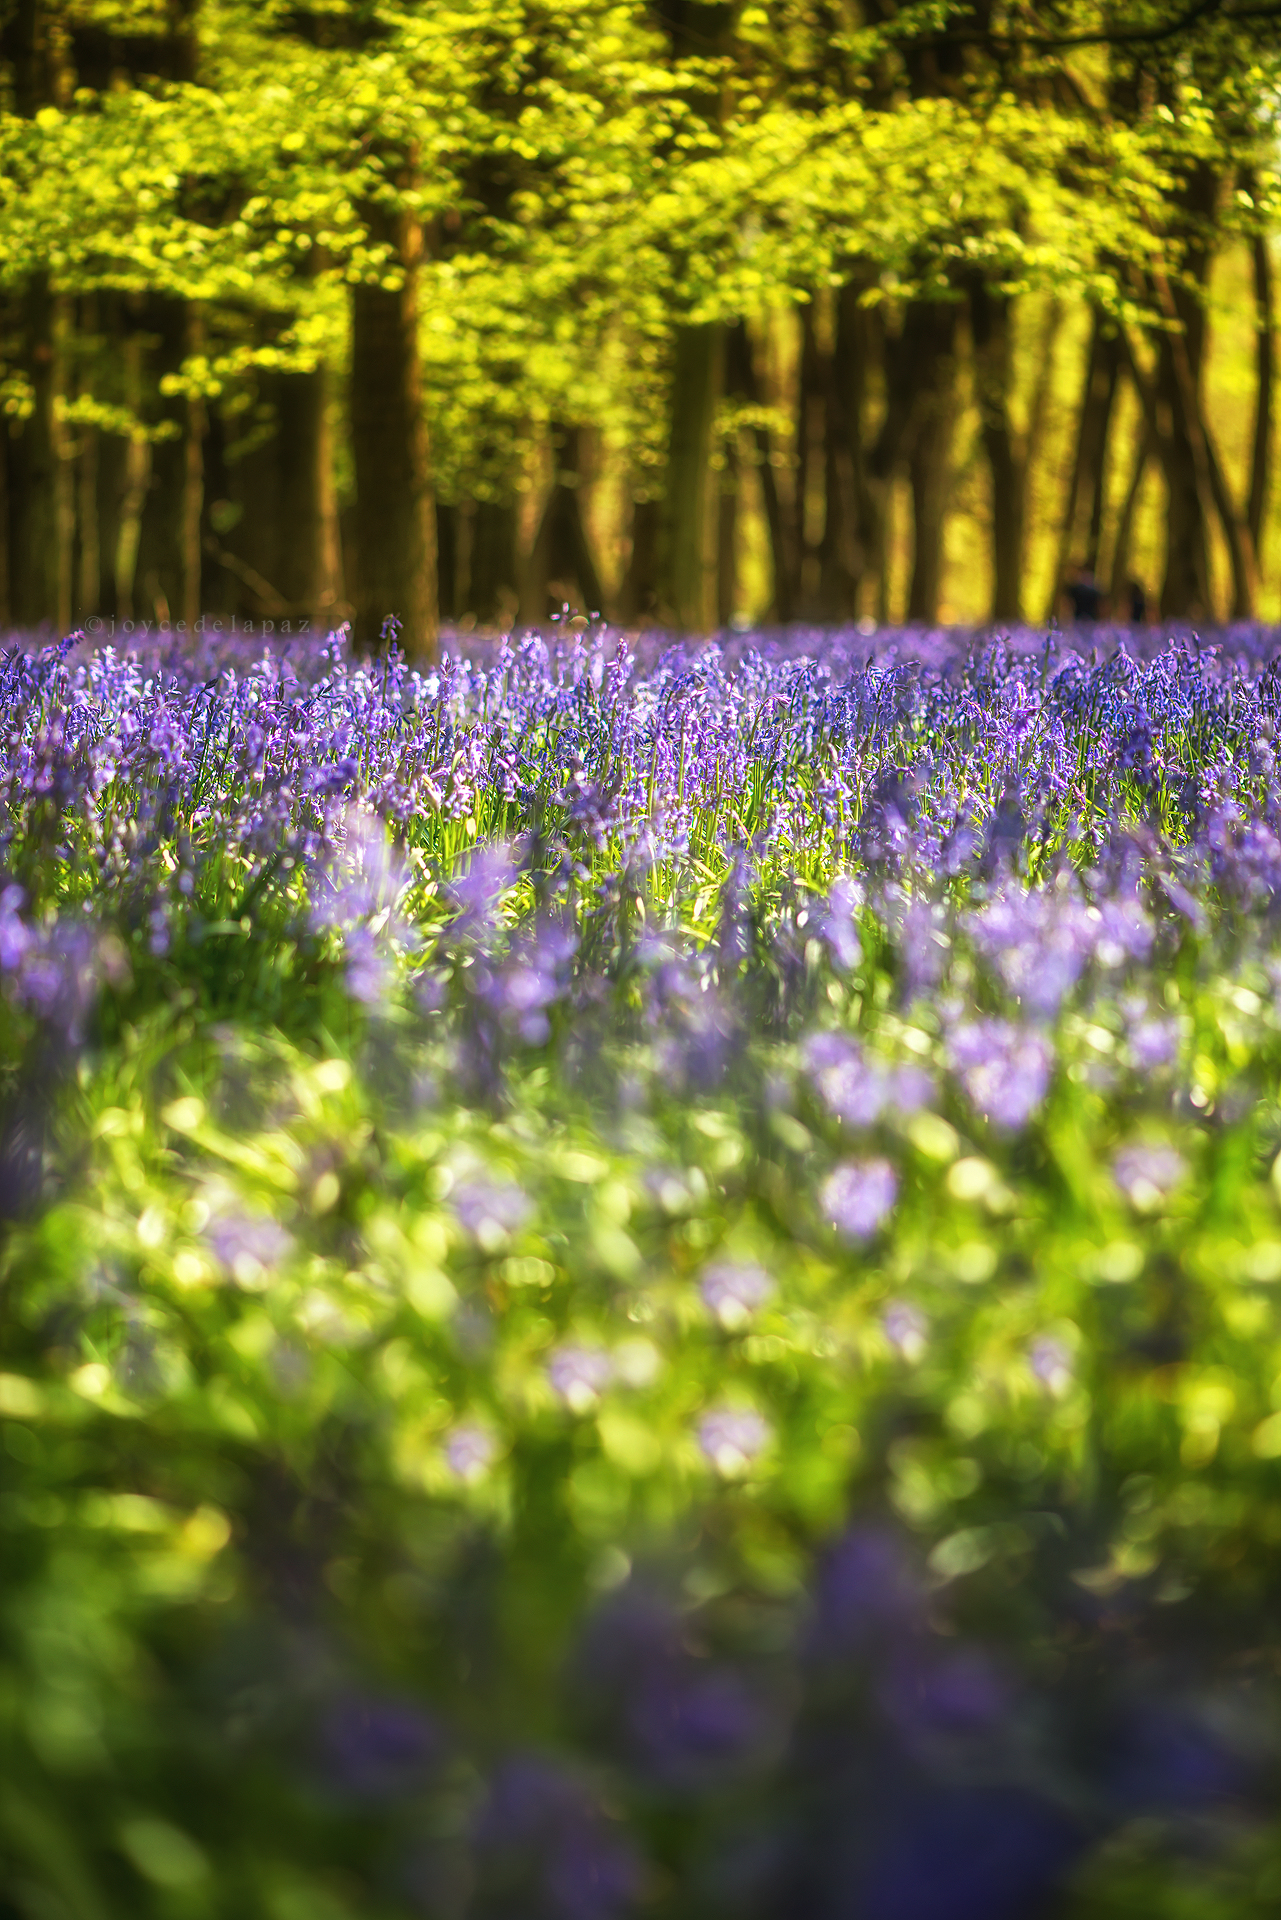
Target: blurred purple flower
x: 250, y: 1246
x: 579, y: 1375
x: 1004, y: 1069
x: 15, y: 937
x: 545, y: 1851
x: 1037, y: 943
x: 1154, y: 1043
x: 690, y: 1722
x: 490, y: 1211
x: 1168, y: 1757
x: 926, y: 1694
x: 1146, y: 1175
x: 858, y: 1196
x: 905, y: 1328
x: 376, y: 1748
x: 910, y: 1089
x: 477, y: 891
x: 370, y: 973
x: 967, y: 1852
x: 733, y: 1292
x: 865, y: 1591
x: 1051, y: 1361
x: 731, y: 1438
x: 838, y: 925
x: 469, y: 1451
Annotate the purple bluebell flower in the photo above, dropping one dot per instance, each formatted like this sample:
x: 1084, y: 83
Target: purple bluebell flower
x: 734, y: 1291
x: 15, y: 938
x: 906, y: 1328
x: 1004, y: 1069
x: 866, y: 1592
x: 858, y: 1196
x: 732, y: 1438
x: 855, y: 1089
x: 490, y: 1210
x: 1146, y: 1174
x: 579, y: 1375
x: 1154, y: 1044
x: 550, y: 1852
x: 378, y: 1748
x: 470, y: 1451
x: 250, y: 1246
x: 838, y: 925
x: 1051, y: 1361
x: 966, y: 1852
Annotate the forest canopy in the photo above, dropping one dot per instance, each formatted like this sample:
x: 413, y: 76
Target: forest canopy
x: 685, y: 313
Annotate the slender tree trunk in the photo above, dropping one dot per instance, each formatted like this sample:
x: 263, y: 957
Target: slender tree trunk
x: 195, y: 426
x: 1038, y: 412
x: 990, y: 328
x: 42, y: 503
x: 1264, y: 361
x: 87, y: 597
x: 447, y: 572
x: 727, y: 539
x: 742, y: 382
x: 1120, y: 581
x: 916, y: 429
x: 1183, y: 353
x: 248, y: 554
x: 124, y: 475
x: 395, y: 524
x: 930, y: 467
x: 683, y: 557
x: 561, y: 548
x: 640, y: 583
x: 809, y: 468
x: 1083, y: 510
x: 492, y: 589
x: 307, y: 568
x: 849, y: 529
x: 6, y: 604
x: 220, y: 589
x: 169, y: 551
x: 1185, y: 590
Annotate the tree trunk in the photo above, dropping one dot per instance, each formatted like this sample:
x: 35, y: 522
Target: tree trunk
x: 930, y: 460
x: 849, y: 529
x: 1083, y: 510
x: 395, y: 528
x: 727, y: 539
x: 169, y: 548
x: 1195, y: 459
x: 990, y: 328
x: 1185, y: 590
x: 492, y: 588
x: 561, y: 550
x: 41, y: 500
x: 87, y: 595
x: 306, y: 570
x: 683, y: 559
x: 809, y: 468
x: 640, y: 583
x: 920, y: 406
x: 447, y: 572
x: 742, y: 382
x: 1125, y: 525
x: 1264, y: 359
x: 6, y: 604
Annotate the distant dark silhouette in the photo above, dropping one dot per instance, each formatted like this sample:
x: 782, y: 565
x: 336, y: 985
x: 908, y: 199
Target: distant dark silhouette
x: 1138, y: 600
x: 1084, y: 595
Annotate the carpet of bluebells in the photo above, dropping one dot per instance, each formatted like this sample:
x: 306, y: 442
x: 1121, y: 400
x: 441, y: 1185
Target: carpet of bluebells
x: 641, y: 1286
